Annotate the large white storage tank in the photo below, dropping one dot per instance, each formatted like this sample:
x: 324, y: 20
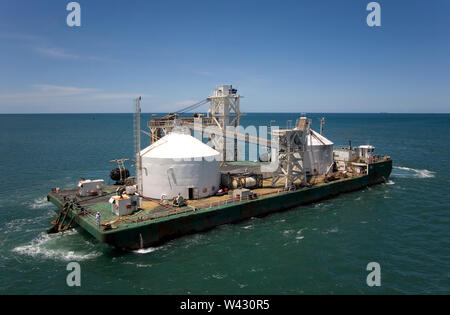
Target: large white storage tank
x: 179, y: 164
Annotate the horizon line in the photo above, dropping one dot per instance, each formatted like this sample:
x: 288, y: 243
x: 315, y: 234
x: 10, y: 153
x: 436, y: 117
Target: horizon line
x: 115, y: 113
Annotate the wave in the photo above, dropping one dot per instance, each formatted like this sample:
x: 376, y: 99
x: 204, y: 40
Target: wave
x: 406, y: 172
x: 42, y: 247
x: 37, y: 203
x: 145, y: 250
x: 301, y: 230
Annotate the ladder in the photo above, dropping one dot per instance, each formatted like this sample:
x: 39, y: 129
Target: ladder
x: 58, y: 225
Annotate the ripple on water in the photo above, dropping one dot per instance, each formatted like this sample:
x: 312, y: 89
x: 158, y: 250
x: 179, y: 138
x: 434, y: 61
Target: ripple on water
x: 25, y: 224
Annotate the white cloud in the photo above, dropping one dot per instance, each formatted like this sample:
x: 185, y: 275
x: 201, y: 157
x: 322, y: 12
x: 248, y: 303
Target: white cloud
x: 20, y: 37
x: 40, y: 45
x: 55, y: 98
x: 44, y: 46
x: 56, y: 52
x: 63, y: 90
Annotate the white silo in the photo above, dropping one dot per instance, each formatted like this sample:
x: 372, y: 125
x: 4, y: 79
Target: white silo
x: 319, y: 154
x: 180, y: 164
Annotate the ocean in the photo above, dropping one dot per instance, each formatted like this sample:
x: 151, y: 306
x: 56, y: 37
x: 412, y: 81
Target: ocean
x: 322, y: 248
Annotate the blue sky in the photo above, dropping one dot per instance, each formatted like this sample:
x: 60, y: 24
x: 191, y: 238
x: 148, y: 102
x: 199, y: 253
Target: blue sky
x: 284, y: 56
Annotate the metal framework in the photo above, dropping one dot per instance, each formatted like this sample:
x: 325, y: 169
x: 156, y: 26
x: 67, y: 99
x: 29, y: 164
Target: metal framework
x: 224, y: 111
x: 292, y: 145
x: 160, y: 126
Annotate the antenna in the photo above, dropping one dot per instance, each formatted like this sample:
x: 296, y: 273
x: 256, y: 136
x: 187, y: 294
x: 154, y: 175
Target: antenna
x: 137, y: 144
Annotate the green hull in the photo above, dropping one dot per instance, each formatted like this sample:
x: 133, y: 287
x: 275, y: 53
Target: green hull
x: 151, y: 233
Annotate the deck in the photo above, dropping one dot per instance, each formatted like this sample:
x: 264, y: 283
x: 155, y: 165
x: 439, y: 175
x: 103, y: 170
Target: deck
x: 152, y: 210
x: 156, y: 223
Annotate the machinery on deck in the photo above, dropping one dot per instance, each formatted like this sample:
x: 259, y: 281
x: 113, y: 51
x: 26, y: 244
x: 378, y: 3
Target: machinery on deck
x: 119, y: 174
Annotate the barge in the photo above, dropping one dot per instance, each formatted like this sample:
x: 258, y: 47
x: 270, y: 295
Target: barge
x: 183, y: 185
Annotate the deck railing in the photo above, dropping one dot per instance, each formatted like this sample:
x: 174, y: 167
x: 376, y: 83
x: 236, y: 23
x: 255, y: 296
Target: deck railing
x: 208, y: 205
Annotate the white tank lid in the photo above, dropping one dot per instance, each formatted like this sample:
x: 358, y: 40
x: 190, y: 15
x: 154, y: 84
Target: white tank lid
x: 178, y: 145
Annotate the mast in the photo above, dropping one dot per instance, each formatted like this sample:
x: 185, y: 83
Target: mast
x: 322, y: 122
x: 137, y: 144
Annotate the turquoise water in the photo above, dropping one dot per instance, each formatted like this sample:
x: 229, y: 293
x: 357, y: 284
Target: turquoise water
x: 321, y: 248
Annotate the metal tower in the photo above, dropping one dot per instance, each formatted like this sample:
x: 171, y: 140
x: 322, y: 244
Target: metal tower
x: 224, y: 111
x: 292, y: 145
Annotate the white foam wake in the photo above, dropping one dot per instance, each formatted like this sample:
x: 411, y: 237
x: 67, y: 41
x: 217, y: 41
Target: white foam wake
x: 46, y: 245
x: 39, y: 203
x: 401, y: 171
x: 145, y: 250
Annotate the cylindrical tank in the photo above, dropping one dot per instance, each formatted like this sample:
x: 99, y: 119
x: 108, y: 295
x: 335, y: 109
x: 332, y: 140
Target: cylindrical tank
x: 180, y: 164
x: 245, y: 182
